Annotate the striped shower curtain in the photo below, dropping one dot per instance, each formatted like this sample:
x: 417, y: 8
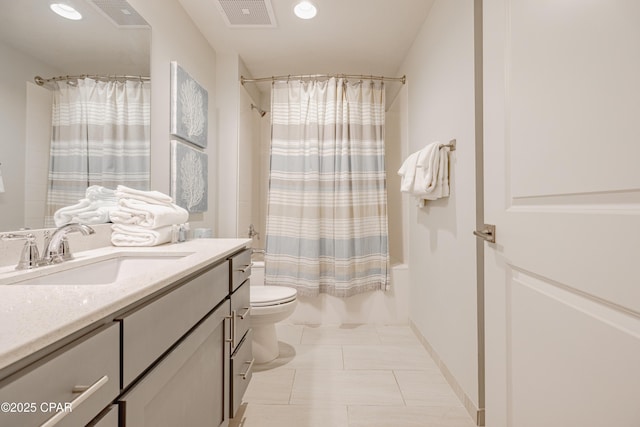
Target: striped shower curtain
x: 327, y: 203
x: 100, y: 136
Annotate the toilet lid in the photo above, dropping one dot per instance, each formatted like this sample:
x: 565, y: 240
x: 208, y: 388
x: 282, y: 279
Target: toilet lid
x: 271, y: 295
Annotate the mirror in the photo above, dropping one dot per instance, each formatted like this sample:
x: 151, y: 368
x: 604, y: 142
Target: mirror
x: 34, y: 41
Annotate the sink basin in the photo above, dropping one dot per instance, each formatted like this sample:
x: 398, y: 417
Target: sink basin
x: 105, y: 271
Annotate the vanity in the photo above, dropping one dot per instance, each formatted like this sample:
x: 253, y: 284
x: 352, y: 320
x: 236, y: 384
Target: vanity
x: 128, y: 337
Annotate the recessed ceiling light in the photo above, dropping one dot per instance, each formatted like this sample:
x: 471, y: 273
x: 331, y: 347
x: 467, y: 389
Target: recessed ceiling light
x: 305, y: 10
x: 65, y: 11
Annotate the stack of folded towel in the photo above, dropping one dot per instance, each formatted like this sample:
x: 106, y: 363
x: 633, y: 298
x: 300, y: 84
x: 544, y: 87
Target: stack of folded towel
x: 144, y: 218
x: 425, y: 173
x: 93, y: 209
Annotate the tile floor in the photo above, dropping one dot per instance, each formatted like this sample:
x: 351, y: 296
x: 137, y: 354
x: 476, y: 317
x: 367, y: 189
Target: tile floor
x: 350, y: 376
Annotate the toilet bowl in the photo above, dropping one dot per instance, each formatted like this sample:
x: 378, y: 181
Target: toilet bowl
x: 269, y: 305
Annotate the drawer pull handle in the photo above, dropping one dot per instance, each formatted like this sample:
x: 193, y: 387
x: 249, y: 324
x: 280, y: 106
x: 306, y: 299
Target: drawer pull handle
x: 247, y: 310
x: 246, y: 373
x: 85, y: 393
x: 232, y: 340
x: 245, y: 268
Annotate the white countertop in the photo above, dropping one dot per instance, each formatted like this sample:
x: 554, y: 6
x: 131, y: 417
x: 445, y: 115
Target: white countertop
x: 33, y: 317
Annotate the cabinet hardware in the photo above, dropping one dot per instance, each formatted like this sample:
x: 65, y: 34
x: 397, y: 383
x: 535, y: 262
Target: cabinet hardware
x: 246, y: 312
x: 246, y: 373
x: 246, y: 268
x: 85, y: 393
x: 232, y: 340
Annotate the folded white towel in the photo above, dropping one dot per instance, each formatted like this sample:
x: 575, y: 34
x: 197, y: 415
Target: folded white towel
x: 154, y: 197
x: 132, y: 235
x: 95, y: 215
x: 65, y: 215
x: 85, y: 212
x: 135, y: 212
x: 98, y: 192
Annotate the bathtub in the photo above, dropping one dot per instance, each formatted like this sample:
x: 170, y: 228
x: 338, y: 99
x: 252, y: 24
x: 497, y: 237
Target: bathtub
x: 378, y: 307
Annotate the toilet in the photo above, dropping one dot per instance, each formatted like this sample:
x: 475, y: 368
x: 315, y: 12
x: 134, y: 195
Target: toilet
x: 269, y: 305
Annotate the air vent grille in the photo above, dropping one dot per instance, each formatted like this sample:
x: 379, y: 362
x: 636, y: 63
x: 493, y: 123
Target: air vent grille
x: 120, y: 13
x: 247, y: 13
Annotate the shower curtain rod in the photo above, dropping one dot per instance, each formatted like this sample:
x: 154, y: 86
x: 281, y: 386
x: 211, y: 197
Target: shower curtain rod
x: 41, y: 81
x: 244, y: 80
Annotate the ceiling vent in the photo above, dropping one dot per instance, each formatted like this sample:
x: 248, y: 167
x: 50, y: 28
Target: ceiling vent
x: 247, y: 13
x: 120, y: 13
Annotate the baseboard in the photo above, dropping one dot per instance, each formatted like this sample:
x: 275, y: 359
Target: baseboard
x: 476, y: 414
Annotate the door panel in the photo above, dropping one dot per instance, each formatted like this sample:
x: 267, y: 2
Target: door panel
x: 562, y: 186
x: 570, y: 358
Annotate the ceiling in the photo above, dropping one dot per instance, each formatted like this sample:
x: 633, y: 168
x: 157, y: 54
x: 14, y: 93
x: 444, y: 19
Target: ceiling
x: 369, y: 37
x: 92, y: 45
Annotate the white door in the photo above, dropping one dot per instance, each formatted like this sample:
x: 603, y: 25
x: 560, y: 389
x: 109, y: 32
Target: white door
x: 562, y: 186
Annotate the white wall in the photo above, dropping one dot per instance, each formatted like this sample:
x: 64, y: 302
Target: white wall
x: 174, y: 37
x: 439, y: 105
x: 37, y: 153
x: 248, y: 166
x: 14, y: 81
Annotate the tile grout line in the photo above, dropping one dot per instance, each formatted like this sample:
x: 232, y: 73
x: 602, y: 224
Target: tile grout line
x: 393, y: 371
x: 293, y: 380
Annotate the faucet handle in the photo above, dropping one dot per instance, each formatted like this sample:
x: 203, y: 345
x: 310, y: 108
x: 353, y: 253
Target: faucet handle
x: 29, y: 256
x: 63, y: 250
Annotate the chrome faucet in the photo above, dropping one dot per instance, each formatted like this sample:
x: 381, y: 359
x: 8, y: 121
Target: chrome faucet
x: 56, y: 247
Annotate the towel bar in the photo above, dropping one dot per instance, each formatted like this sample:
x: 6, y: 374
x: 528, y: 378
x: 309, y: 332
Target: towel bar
x: 451, y: 145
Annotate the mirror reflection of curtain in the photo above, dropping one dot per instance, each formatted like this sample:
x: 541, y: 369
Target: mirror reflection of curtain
x: 100, y: 136
x: 327, y: 202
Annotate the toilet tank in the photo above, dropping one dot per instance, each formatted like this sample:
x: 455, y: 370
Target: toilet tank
x: 257, y: 273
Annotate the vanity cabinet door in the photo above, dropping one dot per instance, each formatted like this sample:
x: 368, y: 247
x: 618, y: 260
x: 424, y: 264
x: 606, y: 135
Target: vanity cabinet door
x: 151, y: 330
x: 188, y: 386
x: 69, y: 387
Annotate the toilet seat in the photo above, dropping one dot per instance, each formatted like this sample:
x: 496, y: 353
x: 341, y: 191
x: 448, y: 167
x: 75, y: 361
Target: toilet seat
x: 265, y: 296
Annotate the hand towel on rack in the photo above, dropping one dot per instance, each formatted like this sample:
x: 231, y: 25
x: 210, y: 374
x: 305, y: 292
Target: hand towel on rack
x: 425, y: 173
x: 408, y: 172
x: 135, y: 212
x: 153, y: 197
x: 426, y: 169
x: 437, y: 180
x: 132, y: 235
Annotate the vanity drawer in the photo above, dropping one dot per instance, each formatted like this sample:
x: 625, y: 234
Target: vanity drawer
x: 241, y: 371
x: 240, y: 268
x: 89, y: 366
x: 150, y: 331
x: 241, y: 313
